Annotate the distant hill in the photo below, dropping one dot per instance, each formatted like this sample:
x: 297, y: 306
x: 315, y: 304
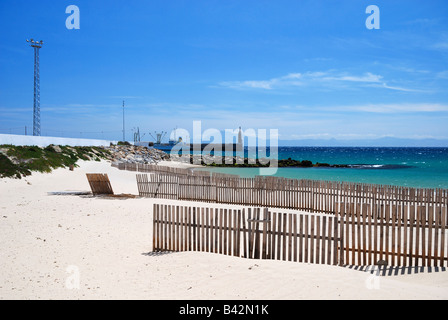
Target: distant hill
x: 381, y: 142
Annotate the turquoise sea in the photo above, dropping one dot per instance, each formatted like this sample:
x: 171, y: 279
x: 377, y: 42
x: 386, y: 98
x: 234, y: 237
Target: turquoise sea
x: 412, y: 167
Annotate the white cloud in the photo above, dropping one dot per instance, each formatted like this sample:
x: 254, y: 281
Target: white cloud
x: 292, y: 76
x: 442, y: 74
x: 125, y: 97
x: 316, y: 78
x: 440, y: 45
x: 386, y: 86
x: 259, y: 84
x: 367, y: 77
x: 327, y: 136
x: 248, y: 84
x: 412, y: 70
x: 423, y: 22
x: 393, y: 108
x: 264, y: 84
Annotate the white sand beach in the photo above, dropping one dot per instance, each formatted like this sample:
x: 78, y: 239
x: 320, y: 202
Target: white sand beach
x: 48, y: 242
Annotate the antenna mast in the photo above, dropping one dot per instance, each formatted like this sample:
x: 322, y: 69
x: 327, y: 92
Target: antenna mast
x: 124, y: 135
x: 36, y: 107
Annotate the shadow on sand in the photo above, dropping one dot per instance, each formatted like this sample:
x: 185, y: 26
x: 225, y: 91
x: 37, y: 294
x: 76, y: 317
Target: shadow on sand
x: 390, y: 271
x: 157, y: 253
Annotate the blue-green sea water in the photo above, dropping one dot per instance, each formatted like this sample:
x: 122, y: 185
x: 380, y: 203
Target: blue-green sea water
x: 412, y: 167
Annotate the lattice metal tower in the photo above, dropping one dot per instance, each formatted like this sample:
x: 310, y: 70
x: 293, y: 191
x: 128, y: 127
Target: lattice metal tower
x: 124, y: 132
x: 36, y: 109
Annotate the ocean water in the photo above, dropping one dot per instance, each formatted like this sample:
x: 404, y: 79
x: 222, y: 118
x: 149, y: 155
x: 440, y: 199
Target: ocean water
x: 412, y: 167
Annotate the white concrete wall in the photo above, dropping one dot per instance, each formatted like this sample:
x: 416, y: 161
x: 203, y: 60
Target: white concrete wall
x: 18, y: 140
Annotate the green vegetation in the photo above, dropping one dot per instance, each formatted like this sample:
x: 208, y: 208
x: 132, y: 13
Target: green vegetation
x: 17, y: 162
x: 9, y: 169
x: 295, y: 163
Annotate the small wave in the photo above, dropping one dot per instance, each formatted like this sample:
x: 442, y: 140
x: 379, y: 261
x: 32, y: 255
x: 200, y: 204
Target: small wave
x: 379, y: 166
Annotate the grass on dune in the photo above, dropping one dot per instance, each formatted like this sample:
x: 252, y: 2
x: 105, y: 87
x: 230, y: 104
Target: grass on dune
x: 20, y: 161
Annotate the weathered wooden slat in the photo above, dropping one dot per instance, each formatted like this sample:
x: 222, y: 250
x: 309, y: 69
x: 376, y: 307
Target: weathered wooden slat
x: 370, y: 235
x: 300, y: 238
x: 169, y: 229
x: 387, y: 233
x: 405, y: 233
x: 265, y: 230
x: 245, y: 244
x: 279, y: 238
x: 364, y: 234
x: 165, y: 227
x: 353, y: 233
x: 330, y: 245
x: 229, y: 232
x: 290, y: 241
x: 437, y: 230
x: 155, y: 237
x: 432, y: 246
x: 306, y: 239
x: 295, y: 236
x: 269, y: 234
x: 412, y: 247
x: 238, y: 235
x: 423, y: 213
x: 225, y: 238
x: 393, y: 242
x: 335, y: 239
x: 99, y: 184
x: 347, y: 232
x: 444, y: 221
x: 221, y: 233
x: 190, y: 228
x: 324, y: 235
x: 359, y: 221
x: 182, y: 229
x: 317, y: 239
x: 284, y: 237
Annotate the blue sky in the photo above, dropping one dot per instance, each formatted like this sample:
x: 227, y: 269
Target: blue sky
x: 310, y: 69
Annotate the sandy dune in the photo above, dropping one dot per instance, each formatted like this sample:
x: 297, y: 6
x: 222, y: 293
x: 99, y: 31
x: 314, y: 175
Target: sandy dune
x: 81, y: 247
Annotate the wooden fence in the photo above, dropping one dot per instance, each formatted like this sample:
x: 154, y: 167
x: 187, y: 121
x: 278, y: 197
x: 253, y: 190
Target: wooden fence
x: 403, y: 237
x: 158, y: 186
x: 248, y: 233
x: 151, y: 168
x: 275, y: 192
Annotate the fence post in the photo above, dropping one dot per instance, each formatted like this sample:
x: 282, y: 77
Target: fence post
x: 155, y: 232
x: 339, y: 210
x: 336, y: 238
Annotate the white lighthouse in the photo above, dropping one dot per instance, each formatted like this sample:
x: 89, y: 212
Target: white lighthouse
x: 240, y: 141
